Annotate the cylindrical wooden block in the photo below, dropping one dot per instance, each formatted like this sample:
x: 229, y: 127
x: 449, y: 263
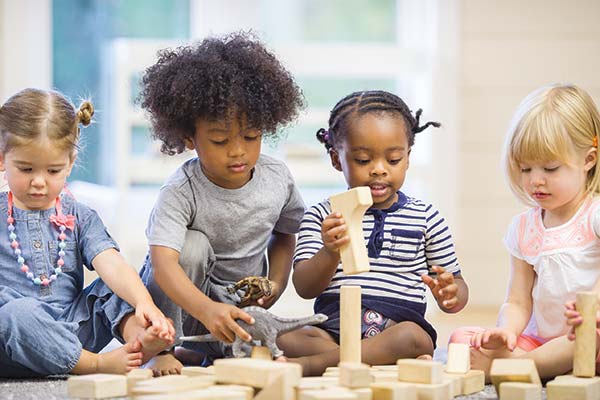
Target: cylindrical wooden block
x: 350, y: 327
x: 584, y: 360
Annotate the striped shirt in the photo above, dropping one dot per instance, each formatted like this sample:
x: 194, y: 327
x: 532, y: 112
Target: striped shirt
x: 403, y: 242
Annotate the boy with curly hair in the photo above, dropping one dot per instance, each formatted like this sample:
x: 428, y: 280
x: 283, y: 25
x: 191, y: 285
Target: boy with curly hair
x: 232, y: 211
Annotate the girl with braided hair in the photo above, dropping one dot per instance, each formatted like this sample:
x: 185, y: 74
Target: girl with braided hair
x: 369, y: 139
x: 50, y: 324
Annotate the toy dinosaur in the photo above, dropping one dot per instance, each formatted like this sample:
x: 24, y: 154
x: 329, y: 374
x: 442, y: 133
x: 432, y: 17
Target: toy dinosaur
x: 266, y: 328
x: 254, y: 287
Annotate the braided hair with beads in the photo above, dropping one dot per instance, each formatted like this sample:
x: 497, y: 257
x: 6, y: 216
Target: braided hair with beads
x: 358, y: 104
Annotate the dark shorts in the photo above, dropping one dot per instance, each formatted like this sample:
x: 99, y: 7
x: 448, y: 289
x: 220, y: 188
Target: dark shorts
x: 374, y: 322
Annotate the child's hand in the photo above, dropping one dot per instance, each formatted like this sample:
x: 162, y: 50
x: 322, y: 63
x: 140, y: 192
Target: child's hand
x: 443, y: 288
x: 220, y: 321
x: 574, y: 319
x: 267, y: 301
x: 333, y: 232
x: 148, y: 314
x: 492, y: 339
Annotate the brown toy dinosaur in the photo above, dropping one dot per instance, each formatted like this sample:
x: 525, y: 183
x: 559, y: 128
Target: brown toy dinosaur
x: 254, y: 288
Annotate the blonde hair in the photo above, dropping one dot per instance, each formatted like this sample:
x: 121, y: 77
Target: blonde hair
x: 32, y: 114
x: 554, y: 122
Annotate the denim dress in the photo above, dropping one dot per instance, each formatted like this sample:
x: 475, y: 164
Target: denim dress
x: 43, y: 329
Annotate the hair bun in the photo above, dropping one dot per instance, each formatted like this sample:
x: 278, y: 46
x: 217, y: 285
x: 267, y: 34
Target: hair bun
x: 85, y: 113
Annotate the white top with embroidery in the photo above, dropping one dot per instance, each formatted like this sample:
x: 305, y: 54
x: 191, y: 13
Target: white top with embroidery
x: 566, y: 259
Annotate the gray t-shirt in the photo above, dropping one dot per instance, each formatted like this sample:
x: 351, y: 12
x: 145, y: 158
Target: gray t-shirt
x: 237, y: 222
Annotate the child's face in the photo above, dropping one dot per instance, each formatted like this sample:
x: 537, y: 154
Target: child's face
x: 227, y: 150
x: 375, y: 153
x: 556, y: 186
x: 36, y: 174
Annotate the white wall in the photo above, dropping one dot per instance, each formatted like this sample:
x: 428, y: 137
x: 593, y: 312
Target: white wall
x: 25, y: 45
x: 508, y: 48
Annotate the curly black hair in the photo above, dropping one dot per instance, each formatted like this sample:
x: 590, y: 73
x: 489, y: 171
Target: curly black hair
x: 359, y: 103
x: 225, y: 77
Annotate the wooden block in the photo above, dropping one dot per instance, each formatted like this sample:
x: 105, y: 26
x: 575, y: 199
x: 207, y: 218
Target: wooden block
x: 354, y: 375
x: 513, y: 370
x: 261, y: 352
x: 137, y: 375
x: 363, y: 393
x: 197, y: 371
x: 352, y: 204
x: 437, y: 391
x: 459, y: 358
x: 384, y: 376
x: 332, y: 370
x: 256, y: 373
x: 567, y: 387
x: 455, y: 381
x: 328, y: 394
x: 520, y: 391
x: 393, y: 367
x: 97, y: 386
x: 277, y: 390
x: 161, y: 385
x: 317, y: 382
x: 209, y: 393
x: 472, y: 382
x: 584, y: 360
x: 393, y: 391
x: 420, y: 371
x: 350, y: 324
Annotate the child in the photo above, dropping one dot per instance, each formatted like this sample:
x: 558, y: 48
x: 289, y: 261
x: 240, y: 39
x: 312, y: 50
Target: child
x: 231, y: 211
x: 49, y: 324
x: 369, y: 140
x: 550, y: 160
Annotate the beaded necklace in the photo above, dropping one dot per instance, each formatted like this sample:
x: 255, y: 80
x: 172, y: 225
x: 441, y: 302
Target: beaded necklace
x: 62, y: 221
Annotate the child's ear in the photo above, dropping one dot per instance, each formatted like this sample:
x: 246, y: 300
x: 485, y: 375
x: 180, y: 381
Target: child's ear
x: 591, y: 158
x: 189, y: 144
x: 335, y: 159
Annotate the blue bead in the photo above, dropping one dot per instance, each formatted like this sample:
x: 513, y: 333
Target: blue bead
x: 11, y: 228
x: 37, y: 281
x: 62, y: 245
x: 18, y: 252
x: 61, y: 253
x: 62, y: 228
x: 58, y: 270
x: 53, y: 277
x: 20, y: 260
x: 30, y: 275
x: 12, y: 236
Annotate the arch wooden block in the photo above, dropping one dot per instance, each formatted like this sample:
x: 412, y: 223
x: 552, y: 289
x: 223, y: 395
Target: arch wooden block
x: 352, y: 204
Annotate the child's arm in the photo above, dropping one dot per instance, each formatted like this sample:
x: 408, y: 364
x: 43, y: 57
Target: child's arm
x: 218, y: 318
x: 311, y: 277
x: 450, y: 291
x: 514, y: 313
x: 122, y: 279
x: 281, y: 250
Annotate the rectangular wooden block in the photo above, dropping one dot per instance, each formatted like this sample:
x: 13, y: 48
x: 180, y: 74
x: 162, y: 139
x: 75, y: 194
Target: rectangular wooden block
x: 168, y: 384
x: 137, y: 375
x: 438, y: 391
x: 195, y: 371
x: 513, y: 370
x: 393, y: 391
x: 350, y: 324
x: 256, y: 373
x: 328, y: 394
x: 97, y: 386
x: 455, y: 381
x: 317, y: 382
x: 520, y: 391
x: 420, y: 371
x: 354, y: 375
x: 459, y: 358
x: 584, y: 359
x: 567, y: 387
x: 472, y: 382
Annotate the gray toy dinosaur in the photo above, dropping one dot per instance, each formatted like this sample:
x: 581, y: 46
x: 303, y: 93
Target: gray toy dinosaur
x: 266, y: 328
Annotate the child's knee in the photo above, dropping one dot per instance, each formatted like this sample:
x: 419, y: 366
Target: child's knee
x: 464, y: 334
x: 196, y: 256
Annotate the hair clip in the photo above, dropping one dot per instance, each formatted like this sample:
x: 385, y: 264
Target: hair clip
x: 595, y: 141
x: 326, y: 135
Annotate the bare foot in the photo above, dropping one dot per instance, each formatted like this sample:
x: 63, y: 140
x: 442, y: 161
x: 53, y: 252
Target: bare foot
x: 118, y: 361
x: 425, y: 357
x: 152, y: 344
x: 480, y: 360
x: 164, y: 364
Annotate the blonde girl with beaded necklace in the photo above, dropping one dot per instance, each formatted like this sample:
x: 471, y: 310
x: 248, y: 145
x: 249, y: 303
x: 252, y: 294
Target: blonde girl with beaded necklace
x: 49, y: 323
x: 551, y: 163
